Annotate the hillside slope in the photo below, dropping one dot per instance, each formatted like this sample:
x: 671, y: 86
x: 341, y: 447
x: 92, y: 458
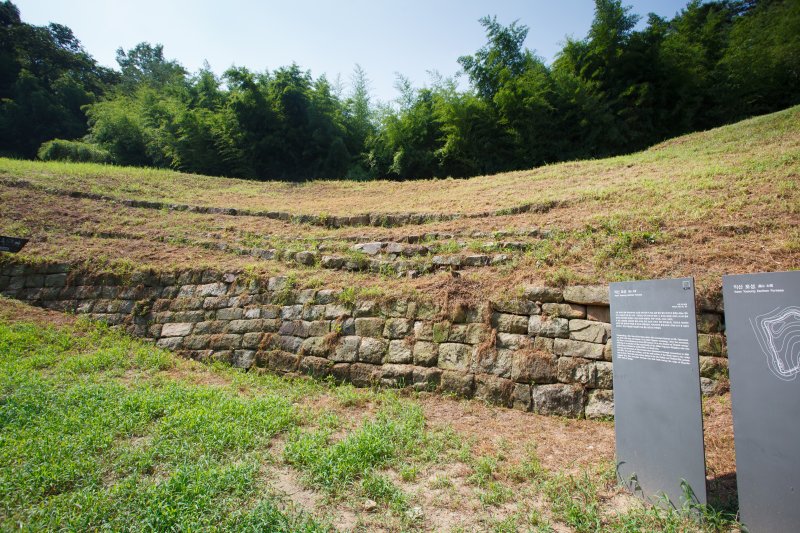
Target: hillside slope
x: 722, y: 201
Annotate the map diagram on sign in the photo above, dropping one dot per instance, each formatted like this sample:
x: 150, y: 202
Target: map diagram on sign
x: 778, y: 334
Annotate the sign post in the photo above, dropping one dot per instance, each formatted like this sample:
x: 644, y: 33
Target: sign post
x: 657, y: 403
x: 762, y: 323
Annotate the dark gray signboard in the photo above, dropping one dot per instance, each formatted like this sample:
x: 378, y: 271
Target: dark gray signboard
x: 762, y: 322
x: 657, y: 404
x: 11, y: 244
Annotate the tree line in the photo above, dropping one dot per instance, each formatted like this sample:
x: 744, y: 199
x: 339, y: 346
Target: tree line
x: 617, y: 90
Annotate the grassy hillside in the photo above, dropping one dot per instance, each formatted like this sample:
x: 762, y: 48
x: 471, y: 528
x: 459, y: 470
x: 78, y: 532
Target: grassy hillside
x: 721, y: 201
x: 103, y: 432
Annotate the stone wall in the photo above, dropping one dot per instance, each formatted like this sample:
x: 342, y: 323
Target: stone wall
x: 547, y: 350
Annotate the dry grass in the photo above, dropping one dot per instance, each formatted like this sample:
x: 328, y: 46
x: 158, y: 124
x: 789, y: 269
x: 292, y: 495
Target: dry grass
x: 711, y: 203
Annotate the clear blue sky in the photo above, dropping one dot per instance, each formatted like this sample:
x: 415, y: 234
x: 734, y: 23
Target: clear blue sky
x: 411, y: 37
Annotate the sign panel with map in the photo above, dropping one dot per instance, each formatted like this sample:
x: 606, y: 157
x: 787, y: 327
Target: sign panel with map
x: 658, y: 415
x: 762, y: 322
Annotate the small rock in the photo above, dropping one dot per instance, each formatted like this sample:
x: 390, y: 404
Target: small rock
x: 415, y: 514
x: 369, y: 248
x: 370, y: 505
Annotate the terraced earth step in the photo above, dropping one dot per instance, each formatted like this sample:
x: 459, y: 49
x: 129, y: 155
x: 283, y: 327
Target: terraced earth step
x: 330, y: 221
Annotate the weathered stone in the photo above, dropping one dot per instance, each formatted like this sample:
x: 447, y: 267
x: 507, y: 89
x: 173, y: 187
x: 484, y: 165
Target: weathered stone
x: 441, y: 331
x: 598, y: 313
x: 423, y: 331
x: 244, y: 326
x: 213, y: 302
x: 366, y: 308
x: 425, y: 353
x: 289, y: 343
x: 516, y: 306
x: 711, y: 345
x: 458, y: 333
x: 399, y: 352
x: 313, y: 312
x: 170, y: 343
x: 317, y: 367
x: 543, y: 294
x: 475, y: 260
x: 575, y: 370
x: 177, y: 330
x: 600, y: 404
x: 281, y: 361
x: 708, y: 386
x: 458, y: 383
x: 521, y: 397
x: 305, y: 258
x: 233, y: 313
x: 426, y: 378
x: 55, y: 280
x: 533, y: 367
x: 709, y: 323
x: 225, y: 342
x: 370, y: 327
x: 713, y: 367
x: 564, y: 310
x: 548, y: 326
x: 571, y: 348
x: 607, y: 350
x: 543, y: 344
x: 587, y: 331
x: 292, y: 312
x: 364, y: 375
x: 372, y: 350
x: 558, y: 399
x: 494, y: 389
x: 318, y: 328
x: 604, y: 375
x: 397, y: 328
x: 454, y: 356
x: 251, y: 341
x: 369, y: 248
x: 333, y: 262
x: 211, y: 289
x: 493, y: 361
x: 396, y: 375
x: 510, y: 323
x: 446, y: 260
x: 512, y: 341
x: 334, y: 311
x: 243, y: 358
x: 34, y: 281
x: 346, y: 350
x: 316, y: 346
x: 476, y: 333
x: 587, y: 294
x: 197, y: 342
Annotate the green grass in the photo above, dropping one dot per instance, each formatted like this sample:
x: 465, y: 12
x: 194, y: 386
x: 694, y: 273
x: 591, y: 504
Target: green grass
x: 94, y: 435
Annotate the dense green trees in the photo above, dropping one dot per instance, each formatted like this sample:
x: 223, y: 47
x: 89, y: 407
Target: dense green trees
x: 617, y: 90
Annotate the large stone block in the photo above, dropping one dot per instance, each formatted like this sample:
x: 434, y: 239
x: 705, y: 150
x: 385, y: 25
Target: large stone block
x: 346, y: 350
x: 177, y: 330
x: 397, y: 328
x: 713, y: 345
x: 600, y: 404
x: 513, y: 341
x: 574, y: 370
x: 558, y: 399
x: 211, y: 289
x: 543, y: 294
x: 251, y: 341
x: 564, y: 310
x: 423, y: 331
x: 587, y: 294
x: 224, y: 342
x: 364, y: 375
x: 571, y: 348
x: 243, y: 358
x: 316, y: 346
x: 245, y: 326
x: 516, y: 306
x: 231, y: 313
x: 289, y: 343
x: 170, y: 343
x: 425, y: 353
x: 605, y: 375
x: 399, y: 352
x: 372, y: 350
x: 458, y: 383
x: 588, y: 331
x: 426, y: 378
x: 534, y: 367
x: 710, y: 323
x: 522, y: 397
x: 458, y: 333
x: 396, y: 375
x: 493, y: 361
x: 370, y: 327
x: 454, y: 356
x: 548, y: 326
x: 494, y: 389
x: 713, y: 367
x: 506, y: 323
x: 281, y: 361
x: 318, y: 367
x: 313, y: 312
x: 598, y: 313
